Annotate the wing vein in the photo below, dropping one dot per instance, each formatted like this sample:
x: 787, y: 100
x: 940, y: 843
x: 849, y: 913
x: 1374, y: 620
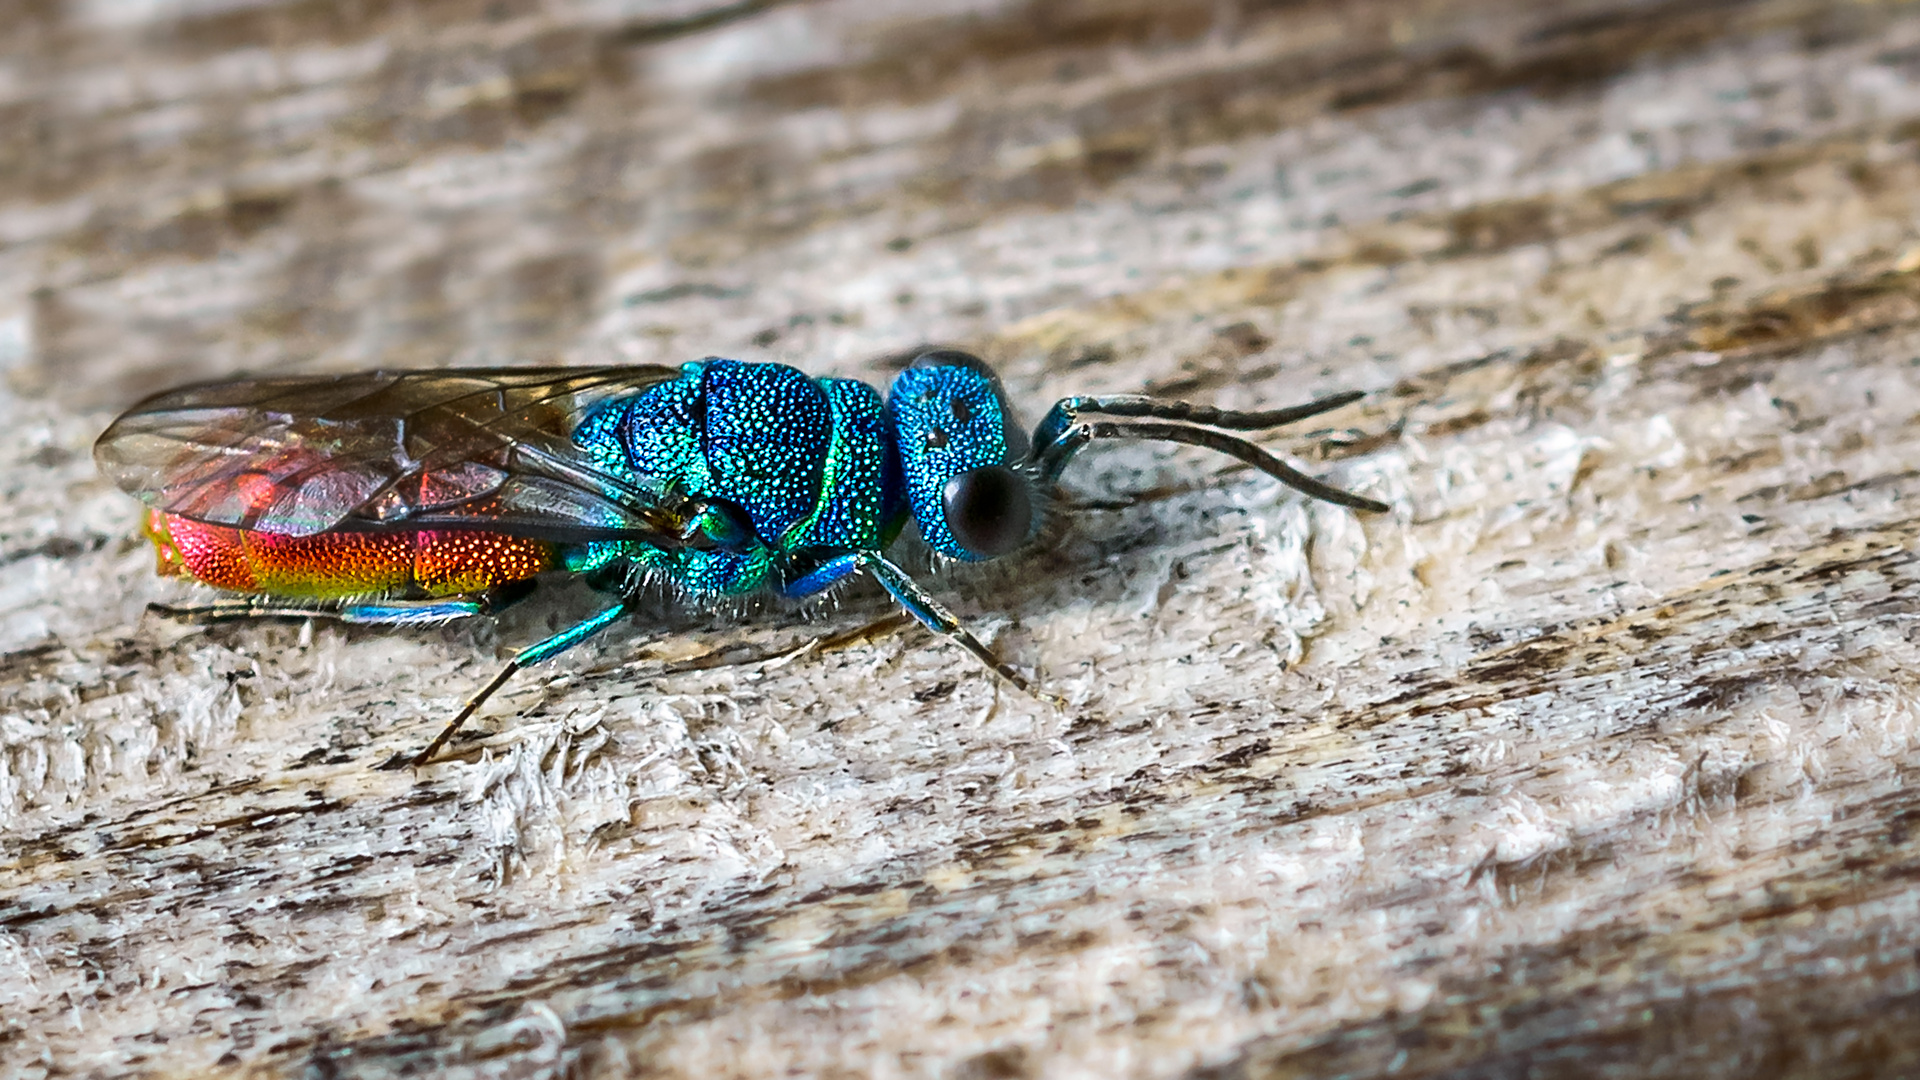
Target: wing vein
x: 262, y: 453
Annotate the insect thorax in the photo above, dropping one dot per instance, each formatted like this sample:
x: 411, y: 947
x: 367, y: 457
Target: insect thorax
x: 807, y: 462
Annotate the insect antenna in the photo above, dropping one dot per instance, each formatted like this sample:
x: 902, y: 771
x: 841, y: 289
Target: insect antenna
x: 1139, y: 405
x: 1065, y: 432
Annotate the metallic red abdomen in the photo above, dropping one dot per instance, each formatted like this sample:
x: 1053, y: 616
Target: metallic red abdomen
x: 343, y: 565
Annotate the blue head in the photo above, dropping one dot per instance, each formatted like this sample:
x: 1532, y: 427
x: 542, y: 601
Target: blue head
x: 962, y: 457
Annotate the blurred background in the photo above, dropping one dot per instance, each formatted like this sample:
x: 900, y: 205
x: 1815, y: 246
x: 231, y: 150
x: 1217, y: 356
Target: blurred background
x: 1594, y: 758
x: 198, y: 187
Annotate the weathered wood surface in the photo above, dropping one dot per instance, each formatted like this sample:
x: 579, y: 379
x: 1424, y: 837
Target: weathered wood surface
x: 1594, y: 758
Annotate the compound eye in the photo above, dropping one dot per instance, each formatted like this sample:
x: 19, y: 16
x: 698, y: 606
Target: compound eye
x: 989, y: 510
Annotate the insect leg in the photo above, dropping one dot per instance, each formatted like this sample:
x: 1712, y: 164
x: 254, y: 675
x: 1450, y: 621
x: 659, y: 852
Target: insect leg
x: 393, y: 614
x: 527, y: 657
x: 427, y: 612
x: 822, y: 577
x: 390, y: 613
x: 935, y: 616
x: 403, y: 614
x: 227, y: 609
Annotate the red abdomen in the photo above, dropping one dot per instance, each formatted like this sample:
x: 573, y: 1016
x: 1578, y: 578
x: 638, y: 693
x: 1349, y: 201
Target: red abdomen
x: 343, y: 565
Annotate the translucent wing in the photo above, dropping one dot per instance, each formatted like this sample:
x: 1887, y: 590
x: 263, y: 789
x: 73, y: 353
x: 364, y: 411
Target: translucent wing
x: 476, y: 448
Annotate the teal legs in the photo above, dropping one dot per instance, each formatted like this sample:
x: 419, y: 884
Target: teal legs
x: 823, y: 577
x: 396, y: 613
x: 571, y: 636
x: 532, y: 654
x: 378, y: 612
x: 921, y: 605
x: 410, y: 613
x: 910, y: 595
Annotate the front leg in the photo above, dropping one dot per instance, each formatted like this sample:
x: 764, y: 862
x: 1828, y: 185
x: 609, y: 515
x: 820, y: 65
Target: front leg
x: 935, y: 616
x: 822, y: 577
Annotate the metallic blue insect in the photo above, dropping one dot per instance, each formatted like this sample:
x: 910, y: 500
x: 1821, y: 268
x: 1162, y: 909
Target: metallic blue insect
x: 419, y: 497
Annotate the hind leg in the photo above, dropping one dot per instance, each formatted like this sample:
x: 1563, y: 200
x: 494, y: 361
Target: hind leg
x: 532, y: 654
x: 380, y: 613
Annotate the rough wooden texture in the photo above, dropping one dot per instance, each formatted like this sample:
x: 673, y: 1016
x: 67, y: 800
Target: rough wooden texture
x: 1595, y: 758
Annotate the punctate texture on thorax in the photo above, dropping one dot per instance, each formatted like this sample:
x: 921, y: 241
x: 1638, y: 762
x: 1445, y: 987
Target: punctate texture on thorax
x: 808, y: 463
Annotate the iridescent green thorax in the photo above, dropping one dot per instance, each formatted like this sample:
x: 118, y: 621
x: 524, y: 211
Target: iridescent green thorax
x: 858, y: 482
x: 807, y: 463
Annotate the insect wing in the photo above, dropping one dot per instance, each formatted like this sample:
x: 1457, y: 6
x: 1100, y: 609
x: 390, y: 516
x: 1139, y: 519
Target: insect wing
x: 477, y: 448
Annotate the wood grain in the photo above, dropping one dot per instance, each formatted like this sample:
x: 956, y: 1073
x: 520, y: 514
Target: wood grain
x: 1594, y: 758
